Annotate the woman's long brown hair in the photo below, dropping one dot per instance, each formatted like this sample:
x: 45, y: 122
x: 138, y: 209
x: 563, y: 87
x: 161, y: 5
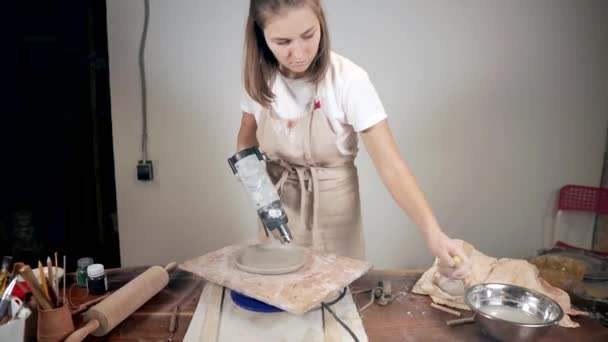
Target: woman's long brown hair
x: 260, y: 66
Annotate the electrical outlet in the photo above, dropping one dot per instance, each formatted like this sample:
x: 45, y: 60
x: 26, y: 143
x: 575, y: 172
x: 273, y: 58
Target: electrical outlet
x: 145, y: 172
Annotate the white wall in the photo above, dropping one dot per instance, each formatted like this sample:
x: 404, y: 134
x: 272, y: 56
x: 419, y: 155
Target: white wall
x: 494, y: 104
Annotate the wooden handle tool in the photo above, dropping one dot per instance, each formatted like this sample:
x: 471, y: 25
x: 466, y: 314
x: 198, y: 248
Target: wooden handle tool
x: 27, y: 274
x: 45, y: 287
x: 121, y: 304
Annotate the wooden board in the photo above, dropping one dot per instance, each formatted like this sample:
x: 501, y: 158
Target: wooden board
x: 214, y: 296
x: 296, y: 292
x: 238, y: 324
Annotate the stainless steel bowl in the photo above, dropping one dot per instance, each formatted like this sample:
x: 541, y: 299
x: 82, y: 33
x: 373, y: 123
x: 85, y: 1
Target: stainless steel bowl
x: 512, y: 313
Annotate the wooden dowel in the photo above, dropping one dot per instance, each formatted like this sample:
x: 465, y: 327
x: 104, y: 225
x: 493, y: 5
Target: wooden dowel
x: 84, y: 306
x: 470, y: 319
x: 444, y: 309
x: 65, y: 274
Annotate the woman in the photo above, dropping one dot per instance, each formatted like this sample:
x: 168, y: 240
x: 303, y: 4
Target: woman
x: 305, y: 106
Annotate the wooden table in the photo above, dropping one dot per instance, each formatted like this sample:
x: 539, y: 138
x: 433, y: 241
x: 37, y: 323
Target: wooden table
x: 408, y: 318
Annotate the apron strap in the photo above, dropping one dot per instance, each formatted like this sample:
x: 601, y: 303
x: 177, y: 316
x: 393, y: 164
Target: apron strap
x: 314, y: 177
x: 299, y: 171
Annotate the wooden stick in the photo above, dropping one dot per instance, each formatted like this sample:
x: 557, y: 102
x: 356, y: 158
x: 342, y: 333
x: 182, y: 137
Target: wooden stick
x: 49, y: 267
x: 50, y: 280
x: 65, y: 273
x: 56, y: 273
x: 56, y: 263
x: 444, y: 309
x: 470, y: 319
x: 84, y: 306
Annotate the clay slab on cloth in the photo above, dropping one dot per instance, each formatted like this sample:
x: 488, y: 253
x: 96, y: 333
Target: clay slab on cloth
x: 296, y: 292
x: 270, y: 259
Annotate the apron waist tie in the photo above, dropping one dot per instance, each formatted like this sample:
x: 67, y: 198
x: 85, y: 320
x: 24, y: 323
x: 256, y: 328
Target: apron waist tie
x: 300, y: 173
x: 313, y: 185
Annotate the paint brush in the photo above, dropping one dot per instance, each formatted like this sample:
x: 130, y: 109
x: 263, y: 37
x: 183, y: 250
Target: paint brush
x: 4, y: 272
x: 7, y: 261
x: 5, y: 301
x: 52, y: 281
x: 49, y: 267
x: 45, y: 287
x: 57, y: 275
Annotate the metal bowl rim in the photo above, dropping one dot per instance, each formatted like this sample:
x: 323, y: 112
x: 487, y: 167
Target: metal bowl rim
x: 536, y: 293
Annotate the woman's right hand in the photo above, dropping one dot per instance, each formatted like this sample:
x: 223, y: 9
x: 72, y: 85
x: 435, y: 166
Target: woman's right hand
x: 453, y: 261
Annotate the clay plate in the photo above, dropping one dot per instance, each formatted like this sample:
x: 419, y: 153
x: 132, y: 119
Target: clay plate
x: 270, y: 259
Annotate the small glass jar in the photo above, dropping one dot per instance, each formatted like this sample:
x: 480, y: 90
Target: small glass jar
x: 97, y: 282
x: 81, y: 271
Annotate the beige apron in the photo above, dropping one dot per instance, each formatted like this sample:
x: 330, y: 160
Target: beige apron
x: 318, y: 185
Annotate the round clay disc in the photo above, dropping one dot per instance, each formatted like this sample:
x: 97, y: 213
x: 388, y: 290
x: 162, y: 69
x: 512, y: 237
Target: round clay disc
x: 270, y: 259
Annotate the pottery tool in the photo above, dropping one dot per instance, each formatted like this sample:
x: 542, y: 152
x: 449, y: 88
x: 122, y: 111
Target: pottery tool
x: 457, y: 260
x: 459, y: 321
x: 57, y: 262
x: 48, y: 283
x: 64, y: 271
x: 4, y: 272
x: 453, y: 287
x: 49, y: 268
x: 57, y: 276
x: 27, y: 274
x: 52, y: 282
x: 6, y: 297
x: 104, y: 316
x: 45, y: 287
x: 173, y: 324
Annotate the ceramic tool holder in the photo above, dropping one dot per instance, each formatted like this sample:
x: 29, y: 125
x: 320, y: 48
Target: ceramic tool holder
x: 54, y: 324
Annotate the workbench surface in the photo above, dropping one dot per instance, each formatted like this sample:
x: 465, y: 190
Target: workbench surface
x: 408, y: 318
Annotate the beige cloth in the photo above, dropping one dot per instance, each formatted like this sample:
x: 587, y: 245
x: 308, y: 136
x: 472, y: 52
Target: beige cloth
x: 486, y: 269
x: 318, y: 185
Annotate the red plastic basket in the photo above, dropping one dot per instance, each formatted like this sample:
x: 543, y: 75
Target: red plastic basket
x: 583, y: 198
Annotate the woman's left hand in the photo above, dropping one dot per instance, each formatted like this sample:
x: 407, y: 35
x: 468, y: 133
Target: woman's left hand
x: 453, y: 261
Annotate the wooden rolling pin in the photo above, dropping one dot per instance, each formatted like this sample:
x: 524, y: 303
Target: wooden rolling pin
x: 106, y: 315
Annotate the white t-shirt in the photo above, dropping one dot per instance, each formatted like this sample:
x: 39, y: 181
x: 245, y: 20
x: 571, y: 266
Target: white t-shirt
x: 347, y: 96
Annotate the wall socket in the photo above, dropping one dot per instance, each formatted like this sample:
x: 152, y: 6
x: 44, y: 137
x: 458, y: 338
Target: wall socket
x: 145, y: 171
